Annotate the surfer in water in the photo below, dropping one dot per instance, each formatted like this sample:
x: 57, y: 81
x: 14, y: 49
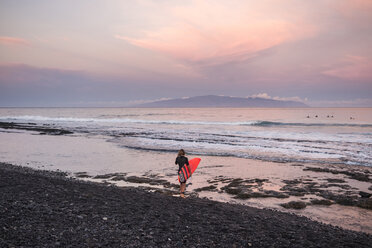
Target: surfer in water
x: 181, y: 160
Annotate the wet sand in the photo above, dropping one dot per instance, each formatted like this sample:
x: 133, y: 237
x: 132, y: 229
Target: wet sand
x: 40, y: 208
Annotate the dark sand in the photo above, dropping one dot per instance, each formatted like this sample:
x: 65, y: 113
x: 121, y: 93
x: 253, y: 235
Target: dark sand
x: 46, y: 209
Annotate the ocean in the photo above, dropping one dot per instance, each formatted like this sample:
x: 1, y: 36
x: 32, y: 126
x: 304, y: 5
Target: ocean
x: 309, y: 135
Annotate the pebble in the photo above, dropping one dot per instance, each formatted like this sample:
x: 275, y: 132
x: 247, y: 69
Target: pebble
x: 142, y: 219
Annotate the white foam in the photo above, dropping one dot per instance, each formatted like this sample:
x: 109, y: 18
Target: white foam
x: 247, y: 139
x: 121, y: 120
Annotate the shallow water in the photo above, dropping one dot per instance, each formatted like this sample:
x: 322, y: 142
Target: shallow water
x: 336, y: 135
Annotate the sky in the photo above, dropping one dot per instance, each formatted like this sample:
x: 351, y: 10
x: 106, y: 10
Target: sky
x: 114, y: 53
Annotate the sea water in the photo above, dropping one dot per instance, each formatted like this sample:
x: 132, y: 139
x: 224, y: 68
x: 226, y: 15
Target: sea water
x: 308, y: 135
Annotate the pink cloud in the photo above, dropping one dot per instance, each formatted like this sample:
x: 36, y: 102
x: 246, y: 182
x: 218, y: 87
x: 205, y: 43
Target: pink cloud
x: 6, y: 40
x: 354, y: 8
x: 206, y: 33
x: 352, y: 68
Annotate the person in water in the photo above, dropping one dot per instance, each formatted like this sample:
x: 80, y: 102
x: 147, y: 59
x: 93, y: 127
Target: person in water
x: 181, y: 160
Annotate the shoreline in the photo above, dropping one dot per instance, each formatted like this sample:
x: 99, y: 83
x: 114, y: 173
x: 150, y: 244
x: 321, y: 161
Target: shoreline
x: 44, y: 208
x: 321, y: 191
x: 225, y: 179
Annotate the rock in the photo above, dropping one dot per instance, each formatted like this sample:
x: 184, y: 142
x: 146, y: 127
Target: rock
x: 335, y: 180
x: 119, y: 178
x: 232, y: 190
x: 364, y: 194
x: 107, y: 176
x: 360, y: 176
x: 261, y: 194
x: 206, y: 188
x: 33, y: 127
x: 294, y: 205
x: 321, y: 202
x: 345, y: 200
x: 365, y: 203
x: 82, y: 175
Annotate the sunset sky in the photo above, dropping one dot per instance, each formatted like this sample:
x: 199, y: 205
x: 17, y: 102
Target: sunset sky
x: 116, y: 53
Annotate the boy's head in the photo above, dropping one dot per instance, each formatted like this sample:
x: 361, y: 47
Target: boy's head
x: 181, y: 152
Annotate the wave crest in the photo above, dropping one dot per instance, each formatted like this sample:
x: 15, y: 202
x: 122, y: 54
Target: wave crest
x: 176, y: 122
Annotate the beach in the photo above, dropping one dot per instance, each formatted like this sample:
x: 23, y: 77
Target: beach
x: 314, y: 169
x: 42, y: 208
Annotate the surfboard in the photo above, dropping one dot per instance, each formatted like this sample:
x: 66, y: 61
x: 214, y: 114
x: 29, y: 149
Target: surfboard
x: 184, y: 173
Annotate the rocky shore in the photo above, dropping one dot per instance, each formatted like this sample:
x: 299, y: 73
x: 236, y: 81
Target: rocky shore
x: 45, y: 129
x: 47, y: 209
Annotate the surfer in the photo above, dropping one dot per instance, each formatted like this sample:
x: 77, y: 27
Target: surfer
x: 181, y: 160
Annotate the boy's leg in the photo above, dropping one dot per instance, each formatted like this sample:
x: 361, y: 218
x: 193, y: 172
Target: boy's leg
x: 182, y: 189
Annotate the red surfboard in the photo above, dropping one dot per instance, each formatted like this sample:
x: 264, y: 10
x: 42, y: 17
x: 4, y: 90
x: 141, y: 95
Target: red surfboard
x: 184, y: 173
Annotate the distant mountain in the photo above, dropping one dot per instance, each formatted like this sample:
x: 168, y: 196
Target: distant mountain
x: 212, y: 101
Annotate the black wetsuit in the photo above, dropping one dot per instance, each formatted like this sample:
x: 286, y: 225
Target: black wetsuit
x: 181, y: 161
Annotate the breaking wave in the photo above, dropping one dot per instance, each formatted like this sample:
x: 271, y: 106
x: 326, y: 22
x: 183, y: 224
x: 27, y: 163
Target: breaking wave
x: 176, y: 122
